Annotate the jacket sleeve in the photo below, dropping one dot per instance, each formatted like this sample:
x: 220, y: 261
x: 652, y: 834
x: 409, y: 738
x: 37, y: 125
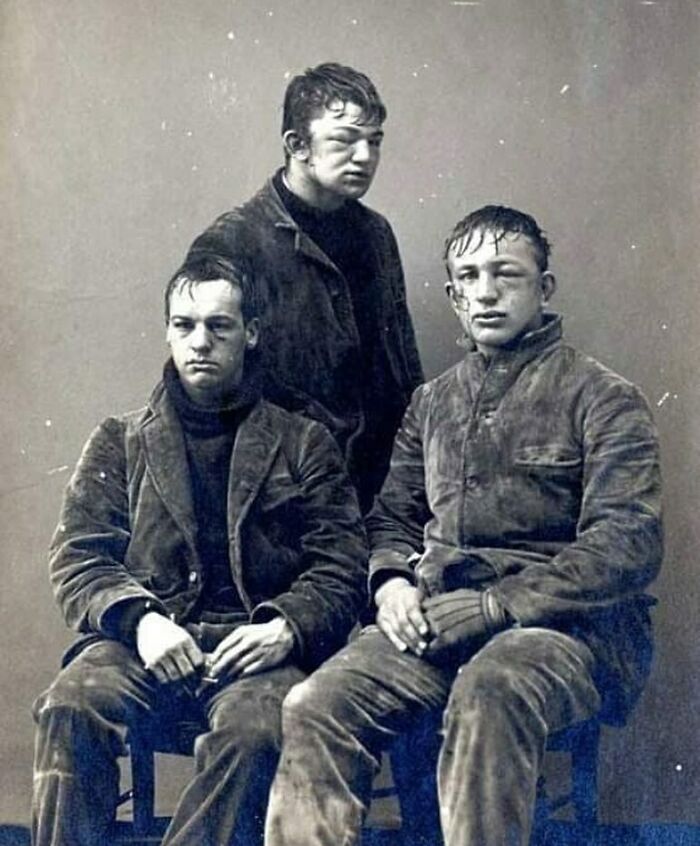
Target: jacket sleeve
x: 88, y: 549
x: 407, y: 333
x: 324, y: 602
x: 619, y: 543
x: 396, y: 522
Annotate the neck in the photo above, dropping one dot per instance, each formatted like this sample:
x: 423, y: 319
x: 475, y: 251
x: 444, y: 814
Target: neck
x: 210, y: 402
x: 297, y: 179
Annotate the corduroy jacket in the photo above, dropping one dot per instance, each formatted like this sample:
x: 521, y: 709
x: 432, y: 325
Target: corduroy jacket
x: 127, y: 528
x: 536, y: 474
x: 309, y: 341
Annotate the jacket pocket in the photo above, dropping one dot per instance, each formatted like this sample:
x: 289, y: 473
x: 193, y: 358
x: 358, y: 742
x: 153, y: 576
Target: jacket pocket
x: 548, y: 458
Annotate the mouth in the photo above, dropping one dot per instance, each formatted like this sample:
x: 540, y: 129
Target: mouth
x: 488, y: 318
x: 201, y: 364
x: 358, y: 176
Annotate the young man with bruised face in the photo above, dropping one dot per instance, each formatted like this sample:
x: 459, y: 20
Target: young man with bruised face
x: 511, y: 545
x: 211, y: 552
x: 337, y: 341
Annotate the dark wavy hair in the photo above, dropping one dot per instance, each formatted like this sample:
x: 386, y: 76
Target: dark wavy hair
x: 205, y: 268
x: 498, y: 221
x: 314, y: 90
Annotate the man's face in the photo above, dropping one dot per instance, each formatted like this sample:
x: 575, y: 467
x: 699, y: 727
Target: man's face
x: 208, y: 339
x: 342, y: 152
x: 497, y: 289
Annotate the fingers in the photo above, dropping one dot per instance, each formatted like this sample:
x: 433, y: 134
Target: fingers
x: 405, y: 626
x: 178, y: 663
x: 388, y: 629
x: 230, y: 654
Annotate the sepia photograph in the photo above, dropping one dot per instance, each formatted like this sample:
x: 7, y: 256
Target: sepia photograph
x: 350, y: 444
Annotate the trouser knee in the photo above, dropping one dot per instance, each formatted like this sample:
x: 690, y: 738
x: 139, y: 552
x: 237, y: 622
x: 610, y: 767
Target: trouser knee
x: 490, y: 694
x: 307, y: 705
x: 248, y: 736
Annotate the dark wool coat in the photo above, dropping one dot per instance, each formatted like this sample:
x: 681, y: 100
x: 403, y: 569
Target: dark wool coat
x: 309, y: 340
x: 127, y: 527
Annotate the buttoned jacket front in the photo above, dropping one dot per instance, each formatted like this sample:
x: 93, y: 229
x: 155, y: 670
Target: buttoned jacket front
x: 536, y: 473
x: 127, y: 528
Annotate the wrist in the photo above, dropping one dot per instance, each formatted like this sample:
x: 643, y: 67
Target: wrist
x: 389, y: 586
x: 148, y: 617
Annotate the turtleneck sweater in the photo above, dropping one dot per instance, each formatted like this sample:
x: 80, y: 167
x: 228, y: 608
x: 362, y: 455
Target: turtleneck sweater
x: 209, y: 437
x: 340, y: 234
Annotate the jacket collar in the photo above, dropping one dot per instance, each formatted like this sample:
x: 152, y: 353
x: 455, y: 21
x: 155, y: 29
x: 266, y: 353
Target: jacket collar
x: 488, y: 381
x: 282, y: 219
x: 255, y: 448
x: 529, y: 345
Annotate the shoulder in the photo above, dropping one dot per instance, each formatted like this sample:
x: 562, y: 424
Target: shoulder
x: 596, y: 378
x: 245, y: 223
x: 599, y: 398
x: 447, y: 381
x: 107, y: 441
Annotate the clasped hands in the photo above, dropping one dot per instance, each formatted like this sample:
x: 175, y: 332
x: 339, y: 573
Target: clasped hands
x: 171, y: 653
x: 436, y: 626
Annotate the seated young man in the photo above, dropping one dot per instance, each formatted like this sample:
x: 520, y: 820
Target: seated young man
x: 210, y: 551
x: 511, y: 546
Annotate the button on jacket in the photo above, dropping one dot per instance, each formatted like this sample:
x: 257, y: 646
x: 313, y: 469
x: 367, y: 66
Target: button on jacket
x: 127, y: 528
x: 536, y: 473
x: 309, y: 340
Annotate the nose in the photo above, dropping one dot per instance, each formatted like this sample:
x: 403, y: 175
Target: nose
x: 200, y: 338
x: 361, y: 151
x: 487, y: 289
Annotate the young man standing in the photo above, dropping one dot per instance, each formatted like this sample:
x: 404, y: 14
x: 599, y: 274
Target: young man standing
x: 512, y: 543
x: 337, y: 341
x: 210, y: 551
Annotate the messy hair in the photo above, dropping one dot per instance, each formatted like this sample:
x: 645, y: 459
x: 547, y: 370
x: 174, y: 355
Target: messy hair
x: 206, y: 268
x: 498, y: 221
x: 315, y: 89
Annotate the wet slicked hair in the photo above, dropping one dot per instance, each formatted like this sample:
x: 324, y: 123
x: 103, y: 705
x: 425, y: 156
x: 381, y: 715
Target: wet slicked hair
x: 498, y: 221
x: 309, y: 93
x: 207, y: 268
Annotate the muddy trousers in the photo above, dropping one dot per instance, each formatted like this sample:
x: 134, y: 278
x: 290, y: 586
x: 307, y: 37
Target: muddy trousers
x: 81, y: 721
x: 496, y: 709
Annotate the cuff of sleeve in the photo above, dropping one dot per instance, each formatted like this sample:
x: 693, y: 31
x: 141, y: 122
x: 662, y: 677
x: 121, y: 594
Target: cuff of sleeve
x: 121, y: 621
x: 497, y: 617
x: 385, y: 564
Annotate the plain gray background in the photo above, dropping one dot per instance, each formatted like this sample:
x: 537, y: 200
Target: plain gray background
x: 128, y: 126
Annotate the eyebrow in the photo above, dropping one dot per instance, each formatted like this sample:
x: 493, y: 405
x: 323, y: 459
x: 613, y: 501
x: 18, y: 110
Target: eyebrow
x: 358, y: 130
x: 497, y: 260
x: 219, y: 315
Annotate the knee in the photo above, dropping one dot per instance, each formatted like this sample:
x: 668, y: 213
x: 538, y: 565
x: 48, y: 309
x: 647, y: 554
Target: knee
x: 250, y: 734
x: 307, y: 704
x: 66, y: 697
x: 492, y: 688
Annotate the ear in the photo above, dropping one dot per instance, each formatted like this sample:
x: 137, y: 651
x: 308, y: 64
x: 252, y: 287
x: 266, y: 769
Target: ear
x: 449, y: 287
x: 460, y: 312
x: 548, y: 283
x: 252, y: 333
x: 295, y: 146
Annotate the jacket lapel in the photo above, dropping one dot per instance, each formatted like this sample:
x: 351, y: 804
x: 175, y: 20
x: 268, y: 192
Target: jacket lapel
x: 166, y: 458
x: 254, y: 451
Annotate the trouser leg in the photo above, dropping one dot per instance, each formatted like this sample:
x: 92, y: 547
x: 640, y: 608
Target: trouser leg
x: 235, y: 762
x: 79, y: 734
x: 523, y: 685
x: 335, y: 726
